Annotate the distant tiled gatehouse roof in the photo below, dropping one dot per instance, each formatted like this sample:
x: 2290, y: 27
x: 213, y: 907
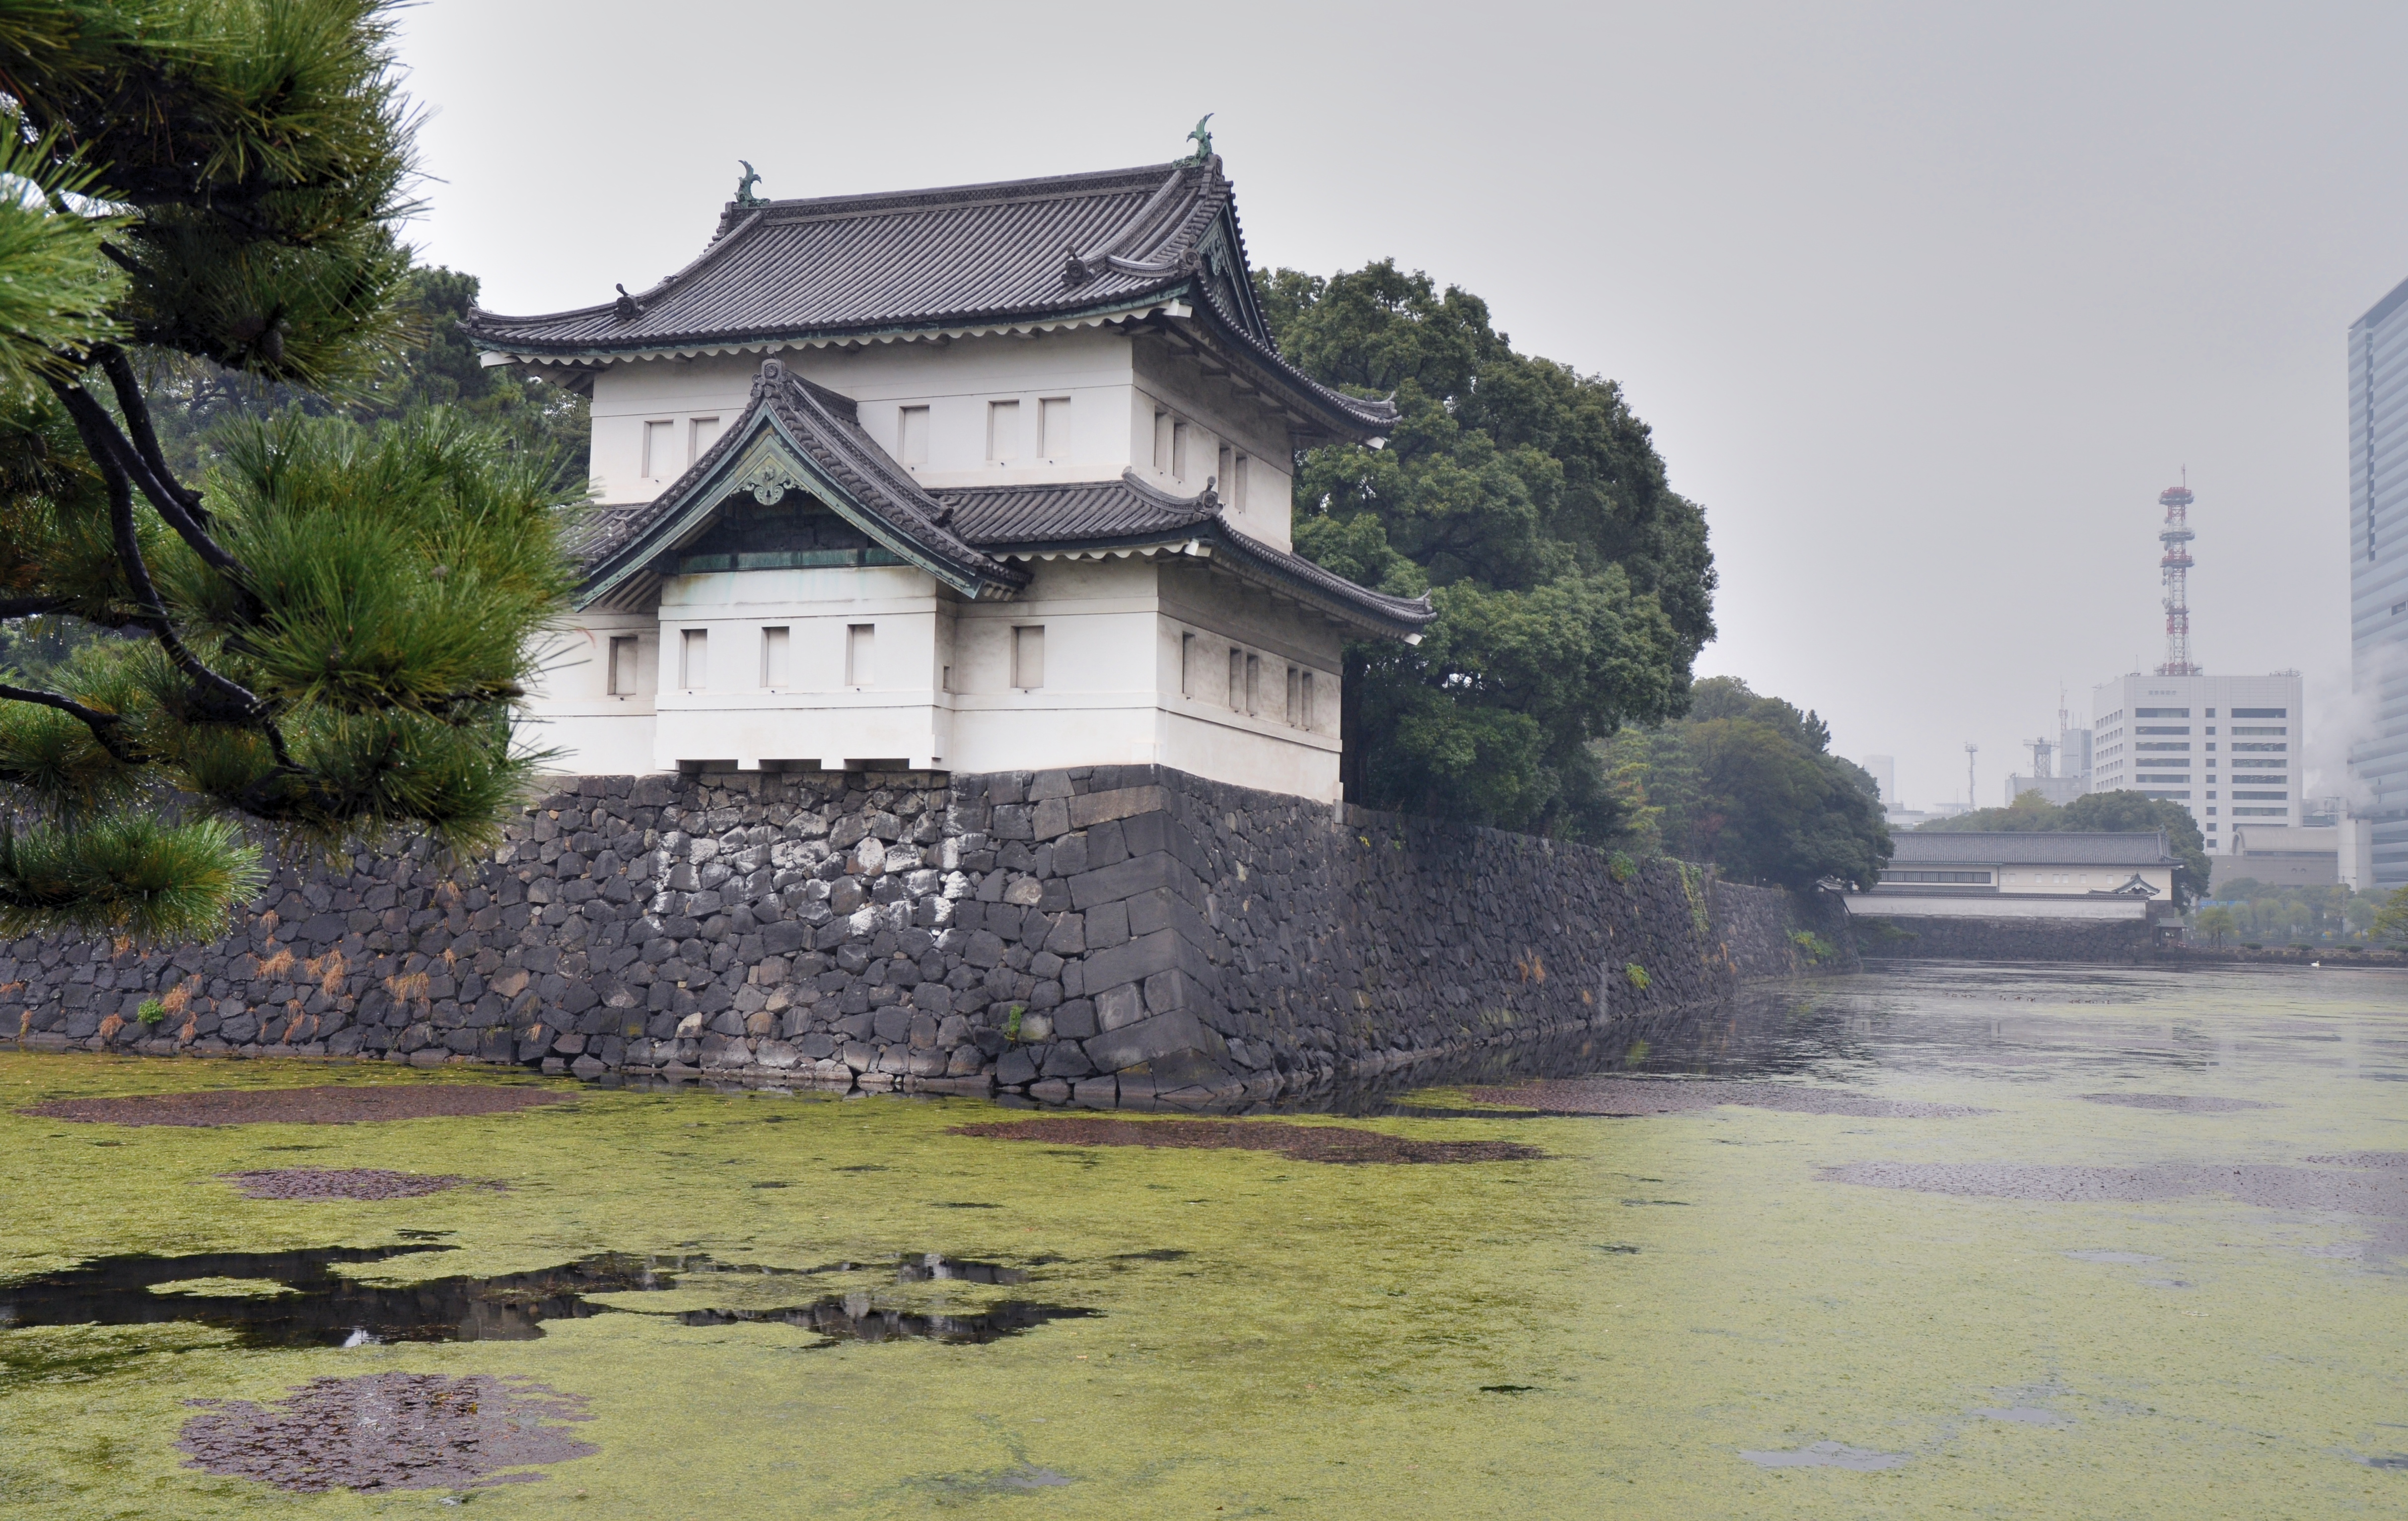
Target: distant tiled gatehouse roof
x: 1157, y: 248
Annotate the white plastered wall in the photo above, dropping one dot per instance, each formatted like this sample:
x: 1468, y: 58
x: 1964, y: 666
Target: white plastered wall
x: 572, y: 708
x: 1123, y: 637
x: 1136, y: 668
x: 842, y: 696
x: 1114, y: 388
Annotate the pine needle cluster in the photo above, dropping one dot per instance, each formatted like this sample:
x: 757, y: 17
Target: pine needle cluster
x: 323, y: 637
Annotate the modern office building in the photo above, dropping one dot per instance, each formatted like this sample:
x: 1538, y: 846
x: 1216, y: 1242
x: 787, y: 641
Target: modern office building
x: 2225, y: 747
x: 1884, y: 771
x: 2378, y: 583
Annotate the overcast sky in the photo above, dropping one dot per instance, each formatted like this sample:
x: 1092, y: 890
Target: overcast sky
x: 1926, y: 304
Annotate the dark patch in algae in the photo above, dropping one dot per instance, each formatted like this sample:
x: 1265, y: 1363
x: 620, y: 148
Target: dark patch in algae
x: 388, y: 1431
x: 358, y: 1183
x: 318, y: 1307
x: 333, y: 1104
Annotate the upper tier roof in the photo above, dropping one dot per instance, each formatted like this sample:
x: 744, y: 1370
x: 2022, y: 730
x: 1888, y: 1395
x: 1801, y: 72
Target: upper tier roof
x: 1159, y: 244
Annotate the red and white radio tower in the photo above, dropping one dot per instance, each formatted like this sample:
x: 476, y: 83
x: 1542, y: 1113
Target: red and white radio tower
x: 2175, y: 570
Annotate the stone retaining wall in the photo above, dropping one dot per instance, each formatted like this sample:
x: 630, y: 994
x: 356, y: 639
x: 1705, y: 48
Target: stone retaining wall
x: 1904, y: 937
x: 1109, y: 934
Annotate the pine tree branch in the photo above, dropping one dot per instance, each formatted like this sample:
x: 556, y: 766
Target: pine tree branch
x: 233, y: 701
x: 103, y: 725
x: 114, y: 450
x: 137, y: 409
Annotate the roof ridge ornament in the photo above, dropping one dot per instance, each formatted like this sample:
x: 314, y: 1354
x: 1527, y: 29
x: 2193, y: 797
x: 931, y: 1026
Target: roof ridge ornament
x: 626, y: 306
x: 1202, y: 138
x: 744, y: 195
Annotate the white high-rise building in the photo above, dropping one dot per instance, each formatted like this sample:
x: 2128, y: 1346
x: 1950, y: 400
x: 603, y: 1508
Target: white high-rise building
x: 2225, y: 747
x: 2378, y: 587
x: 1884, y: 771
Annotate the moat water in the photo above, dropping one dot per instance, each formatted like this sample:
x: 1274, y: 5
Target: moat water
x: 2016, y: 1242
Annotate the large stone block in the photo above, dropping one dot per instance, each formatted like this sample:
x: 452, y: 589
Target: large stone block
x: 1151, y: 1040
x: 1143, y: 956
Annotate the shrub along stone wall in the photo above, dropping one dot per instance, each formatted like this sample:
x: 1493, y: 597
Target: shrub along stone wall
x: 1109, y: 934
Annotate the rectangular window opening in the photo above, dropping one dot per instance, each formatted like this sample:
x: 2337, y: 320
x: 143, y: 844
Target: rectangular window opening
x: 1311, y: 717
x: 694, y: 659
x: 1227, y: 471
x: 1294, y: 698
x: 704, y: 433
x: 1254, y: 686
x: 1028, y: 656
x: 660, y: 451
x: 1237, y: 693
x: 1162, y: 443
x: 623, y: 665
x: 1234, y: 487
x: 1054, y: 428
x: 860, y: 654
x: 1179, y: 450
x: 1002, y: 432
x: 911, y: 435
x: 774, y: 667
x: 1187, y: 665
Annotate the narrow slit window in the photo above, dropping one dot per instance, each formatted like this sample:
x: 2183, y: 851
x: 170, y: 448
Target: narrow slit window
x: 911, y: 435
x: 1222, y: 477
x: 1179, y: 450
x: 1310, y: 716
x: 1053, y: 429
x: 1294, y: 698
x: 775, y: 647
x: 1028, y: 656
x: 623, y: 665
x: 706, y: 432
x: 1002, y: 432
x: 1237, y: 680
x: 660, y: 451
x: 860, y: 654
x: 1162, y: 443
x: 1235, y: 485
x: 1254, y: 686
x: 694, y: 659
x: 1187, y: 665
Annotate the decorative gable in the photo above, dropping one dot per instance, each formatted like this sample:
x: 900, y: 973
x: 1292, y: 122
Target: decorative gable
x: 794, y: 444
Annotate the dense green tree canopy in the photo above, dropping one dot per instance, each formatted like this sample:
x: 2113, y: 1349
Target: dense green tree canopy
x: 1749, y: 783
x: 325, y: 640
x: 2100, y: 813
x: 1573, y: 585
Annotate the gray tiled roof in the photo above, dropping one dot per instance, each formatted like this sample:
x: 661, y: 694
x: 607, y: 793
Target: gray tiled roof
x: 1051, y: 514
x: 1129, y: 512
x: 961, y: 255
x: 1943, y: 847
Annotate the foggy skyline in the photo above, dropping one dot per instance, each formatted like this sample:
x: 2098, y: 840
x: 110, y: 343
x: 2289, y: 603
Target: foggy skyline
x: 1924, y: 307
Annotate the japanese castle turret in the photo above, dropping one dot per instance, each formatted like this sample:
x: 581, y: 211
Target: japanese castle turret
x: 983, y: 479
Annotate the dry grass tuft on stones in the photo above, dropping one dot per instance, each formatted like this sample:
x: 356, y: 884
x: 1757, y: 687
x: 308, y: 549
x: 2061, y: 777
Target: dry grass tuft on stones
x: 1303, y: 1142
x: 331, y: 1104
x: 388, y: 1431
